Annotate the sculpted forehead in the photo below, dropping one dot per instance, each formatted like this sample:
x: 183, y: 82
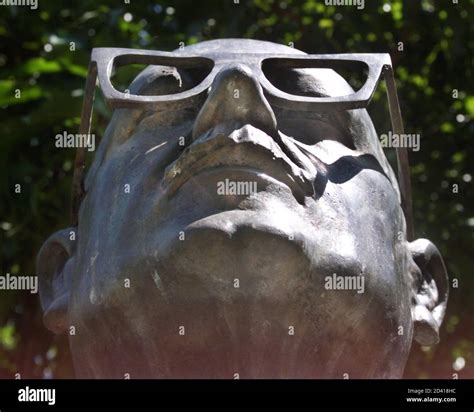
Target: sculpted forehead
x: 240, y: 46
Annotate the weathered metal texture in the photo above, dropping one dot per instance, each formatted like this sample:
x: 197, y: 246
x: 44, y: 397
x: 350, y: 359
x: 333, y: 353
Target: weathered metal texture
x: 311, y: 275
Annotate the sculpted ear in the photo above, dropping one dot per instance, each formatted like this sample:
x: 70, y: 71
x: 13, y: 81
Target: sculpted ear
x: 430, y: 284
x: 54, y: 269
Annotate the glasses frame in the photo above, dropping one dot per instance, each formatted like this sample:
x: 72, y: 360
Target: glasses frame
x: 105, y: 59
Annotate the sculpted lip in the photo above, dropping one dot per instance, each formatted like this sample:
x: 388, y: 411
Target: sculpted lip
x: 247, y: 147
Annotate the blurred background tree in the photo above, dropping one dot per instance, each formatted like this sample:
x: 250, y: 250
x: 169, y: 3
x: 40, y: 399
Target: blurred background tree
x: 44, y: 54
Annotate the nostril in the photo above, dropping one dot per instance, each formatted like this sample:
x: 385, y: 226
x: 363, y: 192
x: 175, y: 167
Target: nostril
x: 235, y: 97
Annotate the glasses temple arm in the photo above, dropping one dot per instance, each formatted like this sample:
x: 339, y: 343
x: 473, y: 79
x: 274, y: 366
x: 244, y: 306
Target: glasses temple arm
x: 402, y: 155
x: 78, y: 191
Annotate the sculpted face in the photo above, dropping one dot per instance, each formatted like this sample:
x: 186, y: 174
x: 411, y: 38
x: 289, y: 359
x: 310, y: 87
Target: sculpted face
x: 239, y: 238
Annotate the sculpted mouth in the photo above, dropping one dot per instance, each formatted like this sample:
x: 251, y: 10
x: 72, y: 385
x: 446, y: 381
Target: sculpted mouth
x: 246, y: 148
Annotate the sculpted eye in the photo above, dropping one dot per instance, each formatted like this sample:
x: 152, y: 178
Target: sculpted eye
x: 165, y: 81
x: 308, y: 127
x: 161, y: 80
x: 157, y: 80
x: 317, y: 82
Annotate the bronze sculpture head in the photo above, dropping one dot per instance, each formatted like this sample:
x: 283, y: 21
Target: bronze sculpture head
x: 241, y: 219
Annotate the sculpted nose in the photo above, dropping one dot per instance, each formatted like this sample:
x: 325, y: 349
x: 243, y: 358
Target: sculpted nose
x: 235, y: 97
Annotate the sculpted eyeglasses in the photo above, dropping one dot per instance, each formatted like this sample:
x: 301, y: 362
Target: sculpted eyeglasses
x: 105, y: 60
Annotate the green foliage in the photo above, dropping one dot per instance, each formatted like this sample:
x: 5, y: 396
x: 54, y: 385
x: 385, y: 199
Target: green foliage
x: 44, y: 54
x: 7, y: 337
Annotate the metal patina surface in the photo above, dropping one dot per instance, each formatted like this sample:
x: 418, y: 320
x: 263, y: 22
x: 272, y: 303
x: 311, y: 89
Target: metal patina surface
x: 311, y: 275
